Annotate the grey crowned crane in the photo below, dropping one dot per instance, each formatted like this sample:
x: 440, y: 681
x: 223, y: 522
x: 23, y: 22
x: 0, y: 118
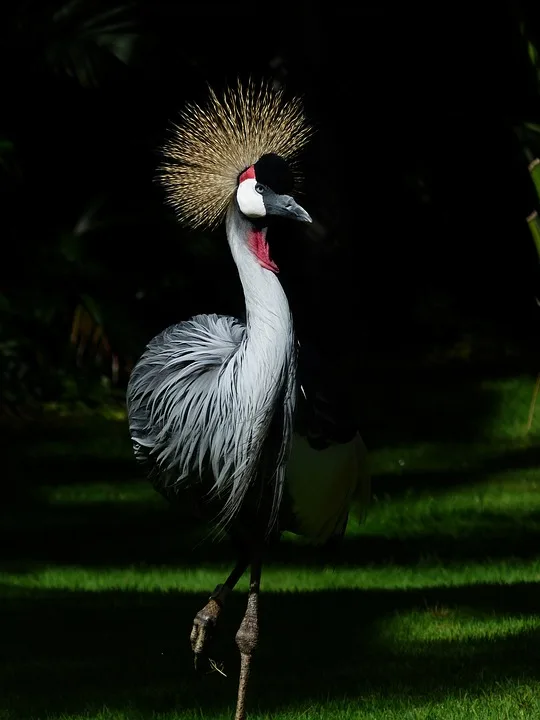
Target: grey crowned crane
x: 218, y: 413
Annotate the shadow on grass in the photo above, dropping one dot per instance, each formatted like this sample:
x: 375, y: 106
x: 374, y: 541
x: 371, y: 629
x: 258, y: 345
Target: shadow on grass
x: 396, y: 484
x: 112, y: 534
x: 67, y: 652
x: 116, y: 535
x: 71, y: 456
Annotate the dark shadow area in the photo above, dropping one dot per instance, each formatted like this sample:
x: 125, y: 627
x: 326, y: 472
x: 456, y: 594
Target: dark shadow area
x: 99, y: 535
x: 400, y: 407
x: 124, y: 650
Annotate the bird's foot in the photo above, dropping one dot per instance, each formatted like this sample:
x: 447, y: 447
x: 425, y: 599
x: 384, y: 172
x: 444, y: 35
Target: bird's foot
x: 204, y: 627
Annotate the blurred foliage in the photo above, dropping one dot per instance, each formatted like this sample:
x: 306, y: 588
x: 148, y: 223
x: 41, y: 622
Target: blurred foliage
x: 56, y: 228
x: 94, y: 263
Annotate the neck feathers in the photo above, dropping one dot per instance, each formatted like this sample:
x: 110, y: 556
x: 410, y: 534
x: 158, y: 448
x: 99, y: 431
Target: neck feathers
x: 266, y: 367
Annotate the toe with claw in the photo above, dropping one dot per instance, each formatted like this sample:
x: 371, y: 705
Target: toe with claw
x: 204, y: 627
x: 203, y: 631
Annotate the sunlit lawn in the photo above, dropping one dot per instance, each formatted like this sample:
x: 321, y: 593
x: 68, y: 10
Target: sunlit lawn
x: 430, y: 610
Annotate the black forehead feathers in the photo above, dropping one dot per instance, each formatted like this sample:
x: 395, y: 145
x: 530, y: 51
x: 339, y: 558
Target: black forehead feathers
x: 273, y: 171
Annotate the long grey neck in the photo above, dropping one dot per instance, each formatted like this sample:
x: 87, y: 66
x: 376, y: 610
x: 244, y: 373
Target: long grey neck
x: 264, y: 368
x: 269, y: 321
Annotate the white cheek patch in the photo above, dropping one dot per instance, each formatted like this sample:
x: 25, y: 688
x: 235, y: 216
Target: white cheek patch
x: 250, y: 201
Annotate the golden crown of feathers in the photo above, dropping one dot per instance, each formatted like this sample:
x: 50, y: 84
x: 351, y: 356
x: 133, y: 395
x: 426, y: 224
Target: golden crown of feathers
x: 213, y: 144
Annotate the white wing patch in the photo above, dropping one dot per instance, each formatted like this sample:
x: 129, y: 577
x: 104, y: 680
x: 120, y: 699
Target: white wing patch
x: 323, y: 485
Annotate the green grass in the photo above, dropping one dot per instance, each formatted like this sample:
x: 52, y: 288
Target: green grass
x: 431, y: 609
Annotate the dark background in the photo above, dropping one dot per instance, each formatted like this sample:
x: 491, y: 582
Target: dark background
x: 421, y: 258
x: 417, y: 283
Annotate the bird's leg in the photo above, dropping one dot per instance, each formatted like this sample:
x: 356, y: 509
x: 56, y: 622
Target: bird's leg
x: 247, y: 637
x: 205, y: 621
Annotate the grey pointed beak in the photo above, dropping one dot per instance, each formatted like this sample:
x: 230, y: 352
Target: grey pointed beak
x: 285, y: 206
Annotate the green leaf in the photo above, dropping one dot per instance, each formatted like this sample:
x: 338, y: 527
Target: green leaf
x: 534, y: 227
x: 533, y: 54
x: 534, y: 169
x: 532, y: 126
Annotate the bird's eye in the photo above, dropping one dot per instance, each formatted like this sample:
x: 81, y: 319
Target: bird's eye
x: 259, y: 188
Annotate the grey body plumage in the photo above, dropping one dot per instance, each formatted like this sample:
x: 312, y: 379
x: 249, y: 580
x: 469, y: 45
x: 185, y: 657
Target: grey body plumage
x: 192, y: 422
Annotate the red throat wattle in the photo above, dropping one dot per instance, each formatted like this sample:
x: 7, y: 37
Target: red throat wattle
x: 257, y: 238
x: 259, y: 247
